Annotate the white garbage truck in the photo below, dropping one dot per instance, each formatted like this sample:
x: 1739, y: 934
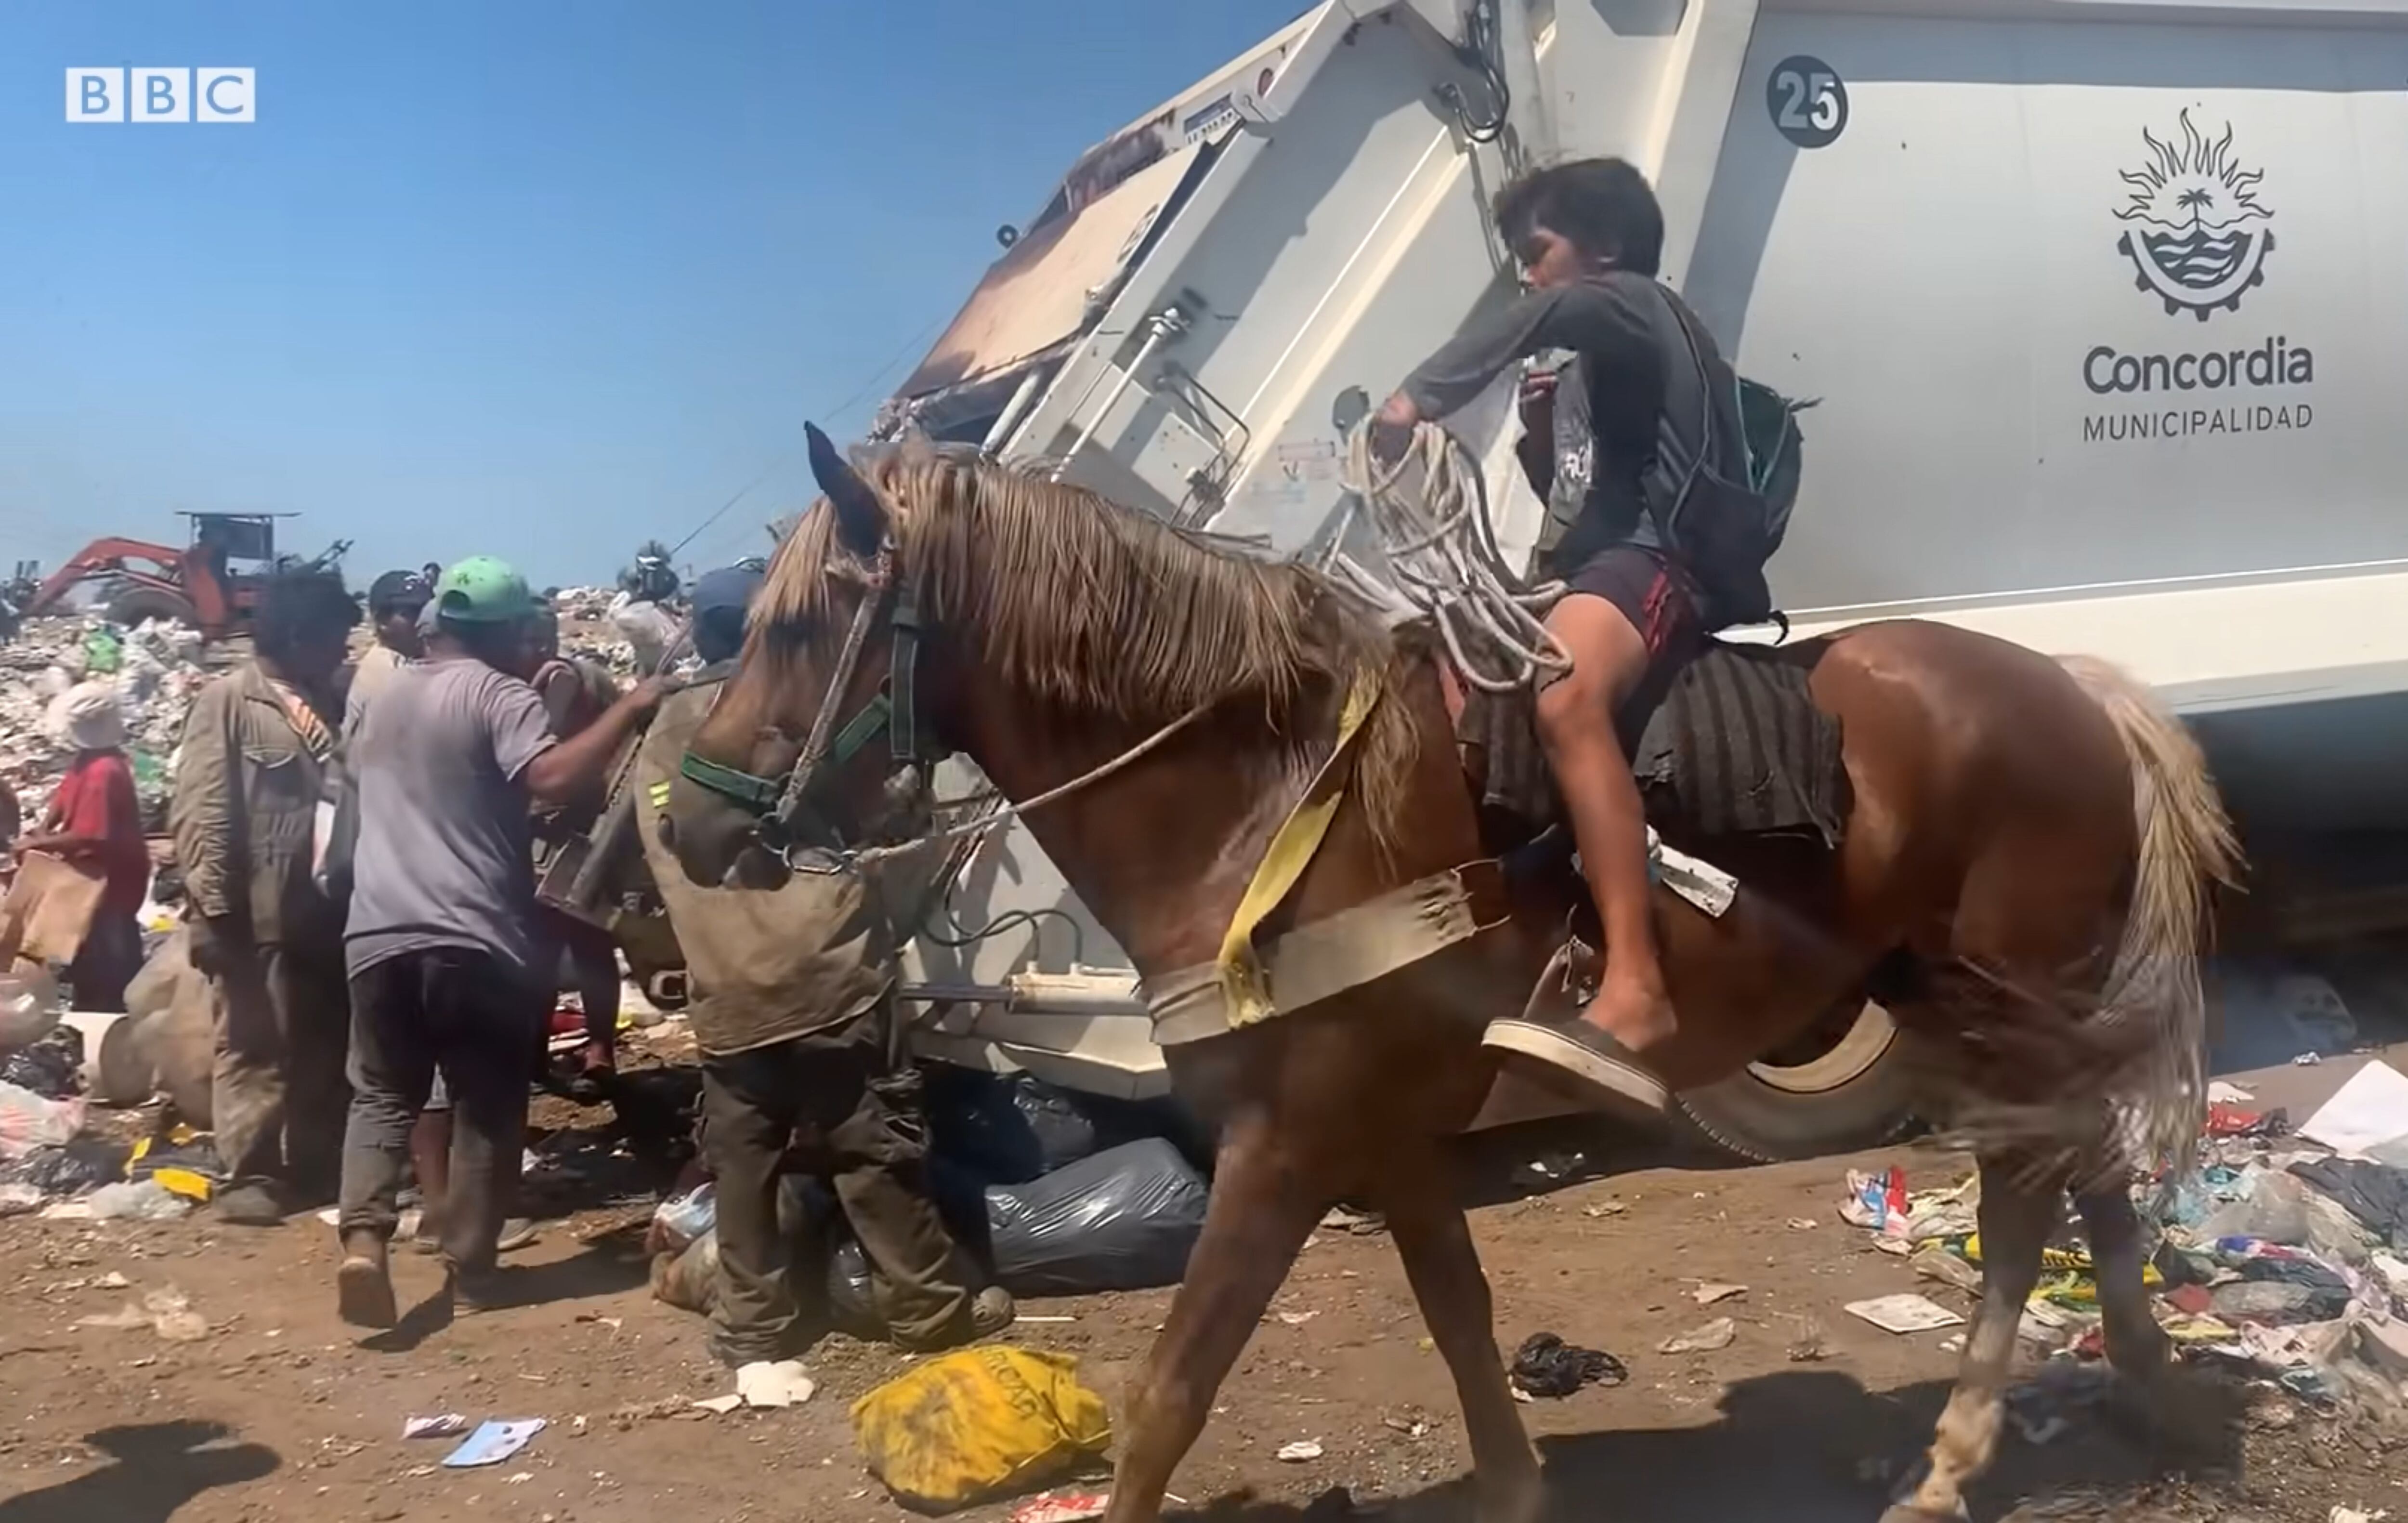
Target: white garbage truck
x: 2101, y: 303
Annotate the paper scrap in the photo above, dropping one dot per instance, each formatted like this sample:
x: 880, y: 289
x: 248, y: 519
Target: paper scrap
x: 1701, y: 1339
x: 1065, y: 1507
x: 721, y: 1404
x: 2368, y: 1111
x: 442, y: 1425
x: 1300, y: 1452
x: 2221, y: 1093
x: 1710, y: 1291
x: 774, y: 1383
x: 493, y: 1442
x: 1904, y: 1313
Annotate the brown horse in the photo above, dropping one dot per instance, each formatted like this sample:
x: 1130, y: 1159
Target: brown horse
x: 2026, y: 861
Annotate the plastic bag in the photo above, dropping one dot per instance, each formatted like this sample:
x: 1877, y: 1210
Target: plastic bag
x: 651, y: 628
x: 688, y: 1280
x: 29, y: 1007
x: 1126, y: 1219
x: 28, y: 1120
x: 1008, y: 1130
x: 103, y: 651
x: 979, y: 1424
x: 185, y: 1161
x: 145, y: 1201
x: 683, y: 1218
x: 52, y: 1066
x: 82, y: 1164
x: 2273, y: 1208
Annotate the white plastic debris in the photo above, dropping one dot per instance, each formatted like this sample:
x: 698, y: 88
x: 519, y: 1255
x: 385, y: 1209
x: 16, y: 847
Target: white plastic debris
x: 1701, y: 1339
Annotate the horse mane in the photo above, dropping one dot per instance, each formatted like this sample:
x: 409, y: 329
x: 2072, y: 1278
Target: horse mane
x: 1092, y: 609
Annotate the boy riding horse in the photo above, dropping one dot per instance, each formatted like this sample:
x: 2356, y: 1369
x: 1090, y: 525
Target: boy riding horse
x: 1588, y: 235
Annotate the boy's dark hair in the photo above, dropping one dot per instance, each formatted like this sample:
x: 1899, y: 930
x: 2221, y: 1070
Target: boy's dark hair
x: 296, y: 604
x: 1604, y: 205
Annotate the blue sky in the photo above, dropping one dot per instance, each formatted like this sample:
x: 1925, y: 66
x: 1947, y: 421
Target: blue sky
x: 536, y: 279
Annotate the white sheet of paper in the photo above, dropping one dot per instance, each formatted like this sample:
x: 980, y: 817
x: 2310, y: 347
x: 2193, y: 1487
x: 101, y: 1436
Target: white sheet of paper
x: 493, y: 1443
x: 2368, y: 1111
x: 1904, y: 1313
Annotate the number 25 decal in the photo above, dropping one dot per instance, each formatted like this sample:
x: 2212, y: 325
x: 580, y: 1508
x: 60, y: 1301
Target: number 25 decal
x: 1809, y: 103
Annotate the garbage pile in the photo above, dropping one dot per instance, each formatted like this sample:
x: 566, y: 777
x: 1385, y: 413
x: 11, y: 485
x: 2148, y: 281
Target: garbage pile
x: 611, y: 627
x: 1055, y: 1194
x: 157, y: 671
x: 49, y: 1077
x: 2282, y: 1256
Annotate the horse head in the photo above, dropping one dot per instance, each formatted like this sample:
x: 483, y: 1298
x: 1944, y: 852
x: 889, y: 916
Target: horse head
x: 814, y: 740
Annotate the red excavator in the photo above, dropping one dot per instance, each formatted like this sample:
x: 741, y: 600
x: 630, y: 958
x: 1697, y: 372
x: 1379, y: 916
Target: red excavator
x: 200, y: 584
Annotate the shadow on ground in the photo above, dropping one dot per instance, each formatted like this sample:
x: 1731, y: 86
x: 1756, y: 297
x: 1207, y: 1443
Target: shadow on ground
x: 1800, y: 1447
x: 155, y: 1469
x: 608, y: 1266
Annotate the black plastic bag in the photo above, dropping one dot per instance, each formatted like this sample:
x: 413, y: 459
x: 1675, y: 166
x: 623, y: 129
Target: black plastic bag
x: 51, y: 1066
x: 84, y: 1163
x: 1006, y: 1128
x: 2376, y: 1194
x: 1126, y: 1219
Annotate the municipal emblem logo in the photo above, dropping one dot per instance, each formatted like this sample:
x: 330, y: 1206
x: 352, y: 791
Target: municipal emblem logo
x: 2199, y: 236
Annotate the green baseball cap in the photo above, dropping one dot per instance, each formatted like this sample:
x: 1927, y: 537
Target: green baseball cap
x: 484, y: 589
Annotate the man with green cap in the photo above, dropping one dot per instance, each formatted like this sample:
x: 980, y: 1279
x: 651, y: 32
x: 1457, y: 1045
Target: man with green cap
x: 441, y: 943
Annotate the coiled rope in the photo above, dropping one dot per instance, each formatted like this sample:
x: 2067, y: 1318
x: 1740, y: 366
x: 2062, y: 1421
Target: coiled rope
x: 1430, y: 510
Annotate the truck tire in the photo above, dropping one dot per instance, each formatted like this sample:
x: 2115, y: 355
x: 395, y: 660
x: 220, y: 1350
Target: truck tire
x: 1846, y: 1091
x: 137, y: 605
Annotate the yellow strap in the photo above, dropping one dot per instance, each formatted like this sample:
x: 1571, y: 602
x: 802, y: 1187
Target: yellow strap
x: 1290, y: 853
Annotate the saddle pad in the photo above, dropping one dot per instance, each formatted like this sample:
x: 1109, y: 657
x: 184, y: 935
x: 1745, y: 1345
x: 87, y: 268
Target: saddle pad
x: 1736, y: 747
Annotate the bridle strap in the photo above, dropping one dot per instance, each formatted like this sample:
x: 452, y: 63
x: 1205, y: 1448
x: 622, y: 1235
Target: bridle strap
x: 902, y: 699
x: 758, y: 793
x: 785, y: 802
x: 815, y: 748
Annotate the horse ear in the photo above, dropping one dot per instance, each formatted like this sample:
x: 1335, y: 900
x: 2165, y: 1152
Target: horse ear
x: 860, y: 517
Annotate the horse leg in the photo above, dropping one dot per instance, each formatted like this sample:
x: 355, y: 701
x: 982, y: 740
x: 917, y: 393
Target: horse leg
x: 2174, y: 1407
x: 2136, y: 1345
x: 1426, y: 1218
x: 1260, y: 1213
x: 2017, y: 1213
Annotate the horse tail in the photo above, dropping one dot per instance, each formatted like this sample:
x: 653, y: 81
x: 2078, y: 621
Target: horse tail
x: 2187, y: 845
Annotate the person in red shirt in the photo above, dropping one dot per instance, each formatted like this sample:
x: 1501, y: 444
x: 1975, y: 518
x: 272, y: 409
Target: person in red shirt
x: 94, y: 820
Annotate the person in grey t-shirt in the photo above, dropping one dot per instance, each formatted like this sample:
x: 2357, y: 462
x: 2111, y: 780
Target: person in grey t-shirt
x: 439, y: 945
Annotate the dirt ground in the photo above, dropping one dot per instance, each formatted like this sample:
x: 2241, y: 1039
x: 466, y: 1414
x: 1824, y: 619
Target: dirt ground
x: 278, y: 1414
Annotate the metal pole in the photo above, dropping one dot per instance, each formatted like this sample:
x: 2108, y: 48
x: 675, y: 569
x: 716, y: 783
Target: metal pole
x: 1013, y: 411
x: 1163, y: 325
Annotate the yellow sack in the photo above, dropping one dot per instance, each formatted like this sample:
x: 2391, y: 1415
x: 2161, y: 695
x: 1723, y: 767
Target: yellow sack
x: 977, y: 1424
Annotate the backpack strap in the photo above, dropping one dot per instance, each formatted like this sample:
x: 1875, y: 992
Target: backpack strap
x: 1666, y: 512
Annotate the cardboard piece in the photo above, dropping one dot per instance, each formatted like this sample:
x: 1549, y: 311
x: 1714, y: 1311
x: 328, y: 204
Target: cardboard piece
x: 47, y: 910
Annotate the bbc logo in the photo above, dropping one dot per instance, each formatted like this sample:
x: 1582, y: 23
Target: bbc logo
x: 162, y: 95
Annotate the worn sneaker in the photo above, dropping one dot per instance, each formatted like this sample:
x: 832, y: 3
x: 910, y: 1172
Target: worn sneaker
x: 1552, y: 1046
x: 989, y: 1313
x: 992, y: 1311
x: 250, y: 1205
x: 517, y: 1232
x: 364, y: 1284
x: 472, y: 1295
